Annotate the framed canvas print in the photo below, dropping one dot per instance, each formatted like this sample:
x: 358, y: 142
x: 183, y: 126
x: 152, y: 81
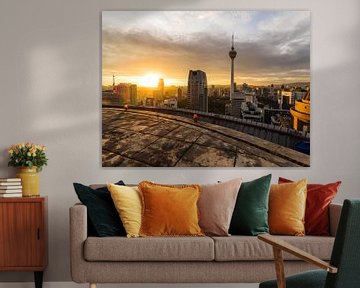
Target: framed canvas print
x: 205, y: 88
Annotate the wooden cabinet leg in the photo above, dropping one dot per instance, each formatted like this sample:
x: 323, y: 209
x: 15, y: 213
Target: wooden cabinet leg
x: 92, y: 285
x: 38, y: 279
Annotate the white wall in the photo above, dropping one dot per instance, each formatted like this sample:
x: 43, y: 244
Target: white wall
x: 50, y: 93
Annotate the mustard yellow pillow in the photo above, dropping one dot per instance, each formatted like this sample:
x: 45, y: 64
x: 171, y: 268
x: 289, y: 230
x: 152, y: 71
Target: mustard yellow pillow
x: 169, y: 210
x: 287, y: 204
x: 127, y: 201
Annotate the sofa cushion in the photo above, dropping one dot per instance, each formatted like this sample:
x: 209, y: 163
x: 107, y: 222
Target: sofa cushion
x: 169, y: 210
x: 250, y: 216
x: 216, y: 206
x: 318, y: 200
x: 127, y: 201
x: 287, y: 204
x: 244, y: 248
x: 149, y: 249
x: 102, y: 216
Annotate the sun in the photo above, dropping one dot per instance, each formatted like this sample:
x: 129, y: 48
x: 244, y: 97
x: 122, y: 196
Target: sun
x: 149, y: 80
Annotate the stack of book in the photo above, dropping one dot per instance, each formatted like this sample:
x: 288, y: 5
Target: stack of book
x: 10, y: 187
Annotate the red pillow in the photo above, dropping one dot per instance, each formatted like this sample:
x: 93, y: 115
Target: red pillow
x: 319, y: 197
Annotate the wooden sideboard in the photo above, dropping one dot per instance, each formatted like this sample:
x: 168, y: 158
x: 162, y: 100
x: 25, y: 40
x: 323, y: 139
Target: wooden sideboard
x: 23, y: 235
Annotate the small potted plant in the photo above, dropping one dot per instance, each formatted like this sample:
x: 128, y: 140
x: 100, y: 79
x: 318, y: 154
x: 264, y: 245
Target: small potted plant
x: 30, y: 158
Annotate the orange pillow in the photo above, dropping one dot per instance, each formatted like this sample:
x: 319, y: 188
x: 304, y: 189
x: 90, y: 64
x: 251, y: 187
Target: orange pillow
x: 287, y: 203
x: 169, y: 210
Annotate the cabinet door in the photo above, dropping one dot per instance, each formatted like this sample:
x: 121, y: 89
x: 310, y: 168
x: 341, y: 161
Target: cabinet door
x: 21, y: 234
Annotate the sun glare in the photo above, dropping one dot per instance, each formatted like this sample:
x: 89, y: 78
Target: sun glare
x: 149, y: 80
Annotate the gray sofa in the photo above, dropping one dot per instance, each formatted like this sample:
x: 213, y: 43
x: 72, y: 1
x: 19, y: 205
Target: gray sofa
x: 234, y: 259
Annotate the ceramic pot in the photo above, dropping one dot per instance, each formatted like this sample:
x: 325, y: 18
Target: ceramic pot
x: 30, y: 181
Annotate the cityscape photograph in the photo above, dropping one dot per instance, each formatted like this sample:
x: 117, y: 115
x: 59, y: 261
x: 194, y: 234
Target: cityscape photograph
x: 206, y: 88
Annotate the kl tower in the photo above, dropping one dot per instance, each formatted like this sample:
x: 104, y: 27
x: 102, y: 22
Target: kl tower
x: 232, y: 55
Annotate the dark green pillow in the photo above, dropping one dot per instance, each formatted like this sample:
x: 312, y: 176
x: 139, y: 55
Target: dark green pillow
x: 103, y: 218
x: 250, y: 216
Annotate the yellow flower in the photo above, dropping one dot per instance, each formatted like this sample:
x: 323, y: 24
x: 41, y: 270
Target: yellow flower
x: 11, y: 151
x: 29, y: 154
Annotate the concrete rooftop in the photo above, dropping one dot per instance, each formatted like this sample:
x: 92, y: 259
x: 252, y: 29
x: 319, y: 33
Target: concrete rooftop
x: 141, y: 138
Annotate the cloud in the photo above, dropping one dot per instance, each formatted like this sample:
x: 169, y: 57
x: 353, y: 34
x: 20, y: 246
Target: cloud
x: 269, y: 45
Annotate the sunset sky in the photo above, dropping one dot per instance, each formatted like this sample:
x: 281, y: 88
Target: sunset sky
x: 141, y: 46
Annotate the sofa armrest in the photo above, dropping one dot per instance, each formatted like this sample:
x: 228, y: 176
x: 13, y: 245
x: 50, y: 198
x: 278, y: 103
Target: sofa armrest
x: 78, y: 235
x: 334, y: 216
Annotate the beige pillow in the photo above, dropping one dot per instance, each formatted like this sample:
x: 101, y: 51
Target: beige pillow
x: 216, y: 206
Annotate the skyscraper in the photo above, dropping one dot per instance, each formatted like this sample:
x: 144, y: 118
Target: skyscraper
x: 123, y: 91
x: 133, y: 94
x: 179, y: 93
x: 127, y: 93
x: 161, y: 88
x: 197, y: 91
x: 113, y: 87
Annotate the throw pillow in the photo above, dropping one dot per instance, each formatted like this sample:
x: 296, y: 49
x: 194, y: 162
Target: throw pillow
x: 319, y: 197
x: 169, y: 210
x: 287, y: 204
x: 127, y: 201
x: 250, y: 215
x: 102, y: 215
x: 216, y: 206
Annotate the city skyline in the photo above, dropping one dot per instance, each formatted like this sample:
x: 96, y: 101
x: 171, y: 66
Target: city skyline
x: 141, y: 47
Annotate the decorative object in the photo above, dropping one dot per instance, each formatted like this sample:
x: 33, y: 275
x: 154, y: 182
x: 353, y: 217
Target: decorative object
x: 169, y: 210
x: 30, y: 158
x: 102, y: 215
x: 250, y: 215
x: 318, y: 199
x: 206, y: 88
x: 23, y: 236
x: 127, y: 201
x: 287, y: 204
x: 10, y: 187
x: 30, y: 181
x: 216, y: 206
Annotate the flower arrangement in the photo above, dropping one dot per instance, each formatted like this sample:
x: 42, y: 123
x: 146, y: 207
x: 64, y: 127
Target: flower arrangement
x: 27, y: 155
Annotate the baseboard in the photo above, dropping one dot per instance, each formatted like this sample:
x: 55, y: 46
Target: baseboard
x: 74, y: 285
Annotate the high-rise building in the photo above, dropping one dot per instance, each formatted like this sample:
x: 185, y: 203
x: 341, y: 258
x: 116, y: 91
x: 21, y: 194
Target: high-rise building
x: 179, y: 93
x: 127, y: 93
x: 285, y: 98
x: 123, y: 91
x: 113, y: 86
x: 197, y: 91
x: 133, y: 94
x: 161, y: 88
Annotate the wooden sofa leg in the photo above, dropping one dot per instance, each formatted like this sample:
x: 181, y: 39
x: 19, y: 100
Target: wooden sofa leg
x: 92, y: 285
